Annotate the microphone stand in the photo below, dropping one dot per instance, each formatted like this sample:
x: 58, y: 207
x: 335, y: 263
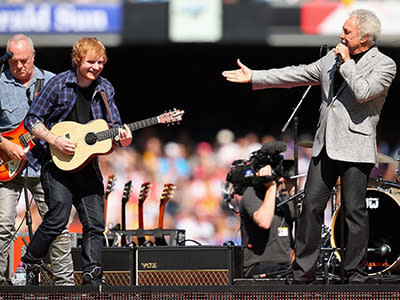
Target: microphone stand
x: 28, y: 216
x: 295, y: 119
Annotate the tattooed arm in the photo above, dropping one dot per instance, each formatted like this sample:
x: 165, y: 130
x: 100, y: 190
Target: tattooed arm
x: 63, y: 144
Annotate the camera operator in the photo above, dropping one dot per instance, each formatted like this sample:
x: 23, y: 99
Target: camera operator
x: 266, y: 231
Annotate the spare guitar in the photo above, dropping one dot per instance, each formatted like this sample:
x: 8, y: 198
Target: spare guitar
x: 144, y: 192
x: 95, y: 138
x: 20, y: 136
x: 167, y: 193
x: 125, y: 198
x: 107, y: 192
x: 109, y: 188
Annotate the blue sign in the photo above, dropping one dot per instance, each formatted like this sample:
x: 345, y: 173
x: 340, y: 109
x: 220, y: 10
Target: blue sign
x: 61, y: 18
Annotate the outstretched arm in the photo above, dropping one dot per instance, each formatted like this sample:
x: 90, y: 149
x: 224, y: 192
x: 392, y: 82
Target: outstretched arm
x: 242, y: 75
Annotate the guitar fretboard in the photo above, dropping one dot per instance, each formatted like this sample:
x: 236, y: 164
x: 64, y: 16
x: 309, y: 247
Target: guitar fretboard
x: 112, y: 132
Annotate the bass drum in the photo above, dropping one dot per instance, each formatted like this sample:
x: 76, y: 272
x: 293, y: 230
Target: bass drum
x: 383, y: 204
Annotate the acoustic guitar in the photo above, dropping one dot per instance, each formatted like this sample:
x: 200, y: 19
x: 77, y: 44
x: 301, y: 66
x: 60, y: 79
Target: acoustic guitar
x: 95, y: 138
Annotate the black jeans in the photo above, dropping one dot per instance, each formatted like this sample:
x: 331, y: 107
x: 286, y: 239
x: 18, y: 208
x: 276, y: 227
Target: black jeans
x: 322, y: 175
x: 83, y: 189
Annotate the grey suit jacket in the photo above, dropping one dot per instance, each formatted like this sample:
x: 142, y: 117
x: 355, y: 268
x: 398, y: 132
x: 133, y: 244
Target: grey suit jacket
x: 347, y: 122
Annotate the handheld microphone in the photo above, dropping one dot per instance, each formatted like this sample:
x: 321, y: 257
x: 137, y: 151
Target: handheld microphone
x: 6, y: 56
x: 338, y: 60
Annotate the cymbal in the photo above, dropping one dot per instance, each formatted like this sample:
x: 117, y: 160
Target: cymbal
x: 386, y: 159
x: 305, y: 144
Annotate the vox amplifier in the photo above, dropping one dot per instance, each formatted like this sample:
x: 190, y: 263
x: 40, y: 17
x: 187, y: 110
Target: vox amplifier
x: 118, y: 265
x: 188, y: 265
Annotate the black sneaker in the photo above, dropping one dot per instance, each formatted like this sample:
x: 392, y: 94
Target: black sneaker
x: 32, y: 274
x: 93, y: 278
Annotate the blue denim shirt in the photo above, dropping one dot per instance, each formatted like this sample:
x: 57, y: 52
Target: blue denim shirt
x: 15, y: 99
x: 57, y: 100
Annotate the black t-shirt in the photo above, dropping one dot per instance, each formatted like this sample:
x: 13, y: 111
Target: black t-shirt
x: 272, y: 245
x: 81, y: 112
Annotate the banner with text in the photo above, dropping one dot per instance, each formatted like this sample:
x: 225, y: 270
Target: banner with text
x: 61, y: 18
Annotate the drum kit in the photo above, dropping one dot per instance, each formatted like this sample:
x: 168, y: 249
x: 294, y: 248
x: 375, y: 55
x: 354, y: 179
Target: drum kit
x: 383, y: 205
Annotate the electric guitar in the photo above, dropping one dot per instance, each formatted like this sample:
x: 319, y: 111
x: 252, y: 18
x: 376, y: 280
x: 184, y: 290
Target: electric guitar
x: 107, y: 192
x: 125, y: 198
x: 167, y: 193
x: 95, y: 138
x: 144, y: 192
x: 20, y: 136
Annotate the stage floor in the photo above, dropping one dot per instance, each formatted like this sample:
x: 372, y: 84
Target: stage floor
x: 254, y: 289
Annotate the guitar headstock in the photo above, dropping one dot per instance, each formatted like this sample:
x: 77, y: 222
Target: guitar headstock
x: 167, y: 193
x: 127, y: 192
x: 171, y: 117
x: 110, y: 185
x: 144, y: 192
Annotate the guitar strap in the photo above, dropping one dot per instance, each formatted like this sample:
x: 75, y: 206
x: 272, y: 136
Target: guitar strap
x: 39, y: 83
x: 103, y: 96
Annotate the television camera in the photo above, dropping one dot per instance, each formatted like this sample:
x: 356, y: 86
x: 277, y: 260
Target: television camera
x: 243, y: 172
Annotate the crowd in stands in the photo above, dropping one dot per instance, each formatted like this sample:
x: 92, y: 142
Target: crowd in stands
x: 197, y: 170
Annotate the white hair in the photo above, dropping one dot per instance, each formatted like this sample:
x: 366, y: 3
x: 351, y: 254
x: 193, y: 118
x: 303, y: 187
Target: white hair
x: 368, y: 23
x: 21, y: 37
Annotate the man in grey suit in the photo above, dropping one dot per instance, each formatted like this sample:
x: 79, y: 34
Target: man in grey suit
x: 355, y: 78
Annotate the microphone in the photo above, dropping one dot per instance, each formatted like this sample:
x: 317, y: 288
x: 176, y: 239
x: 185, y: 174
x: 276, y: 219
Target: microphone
x: 383, y: 250
x: 272, y: 148
x: 338, y: 60
x: 6, y: 56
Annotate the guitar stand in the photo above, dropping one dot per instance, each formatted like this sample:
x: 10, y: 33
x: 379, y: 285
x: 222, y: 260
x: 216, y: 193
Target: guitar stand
x: 140, y: 236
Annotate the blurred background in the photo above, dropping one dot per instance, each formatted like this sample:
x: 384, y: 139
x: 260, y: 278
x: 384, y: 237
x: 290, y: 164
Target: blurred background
x: 170, y: 54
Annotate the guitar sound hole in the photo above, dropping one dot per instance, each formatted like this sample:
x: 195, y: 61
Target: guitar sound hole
x: 91, y: 138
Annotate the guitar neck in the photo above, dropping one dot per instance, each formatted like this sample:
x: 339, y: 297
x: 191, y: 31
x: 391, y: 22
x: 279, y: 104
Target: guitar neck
x: 161, y: 215
x: 141, y: 215
x: 112, y: 132
x: 123, y: 216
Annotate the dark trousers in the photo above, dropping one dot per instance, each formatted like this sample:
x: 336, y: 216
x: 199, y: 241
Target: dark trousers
x: 83, y: 189
x: 322, y: 175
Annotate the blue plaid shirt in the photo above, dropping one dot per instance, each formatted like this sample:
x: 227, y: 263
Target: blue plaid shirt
x: 57, y: 100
